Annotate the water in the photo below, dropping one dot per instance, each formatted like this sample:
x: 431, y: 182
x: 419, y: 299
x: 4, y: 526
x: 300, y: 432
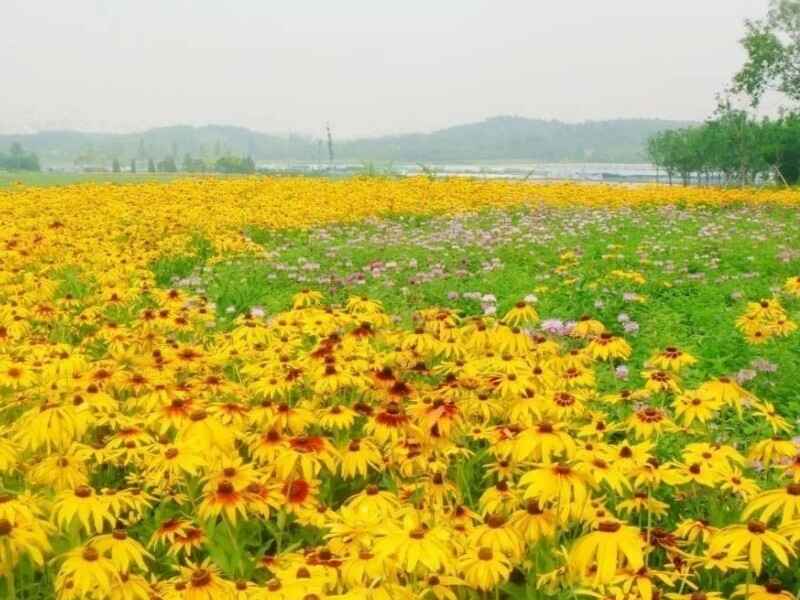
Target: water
x: 531, y: 171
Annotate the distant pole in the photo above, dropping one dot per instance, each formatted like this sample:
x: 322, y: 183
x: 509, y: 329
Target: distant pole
x: 330, y: 144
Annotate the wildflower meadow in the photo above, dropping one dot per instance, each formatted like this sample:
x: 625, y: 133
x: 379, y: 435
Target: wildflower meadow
x: 375, y: 389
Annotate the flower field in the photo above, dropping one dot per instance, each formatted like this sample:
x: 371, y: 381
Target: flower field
x: 376, y: 389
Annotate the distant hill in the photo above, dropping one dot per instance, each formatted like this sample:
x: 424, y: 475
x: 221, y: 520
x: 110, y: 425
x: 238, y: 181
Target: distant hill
x: 497, y: 138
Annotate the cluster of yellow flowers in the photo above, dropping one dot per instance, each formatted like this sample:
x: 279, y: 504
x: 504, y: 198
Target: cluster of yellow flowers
x: 767, y: 319
x: 329, y: 452
x: 90, y: 222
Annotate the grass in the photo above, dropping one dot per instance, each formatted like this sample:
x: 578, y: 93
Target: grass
x: 54, y: 178
x: 48, y: 178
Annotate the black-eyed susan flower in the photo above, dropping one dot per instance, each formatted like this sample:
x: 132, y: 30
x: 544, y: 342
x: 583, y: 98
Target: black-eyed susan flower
x: 86, y: 573
x: 749, y: 541
x: 559, y: 483
x: 783, y: 502
x: 671, y: 359
x: 483, y: 568
x: 20, y: 537
x: 123, y: 550
x: 596, y: 556
x: 413, y: 543
x: 82, y: 505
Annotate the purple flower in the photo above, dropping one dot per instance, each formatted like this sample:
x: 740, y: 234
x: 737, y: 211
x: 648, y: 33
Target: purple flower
x: 553, y: 326
x: 621, y: 372
x: 745, y: 375
x: 631, y: 327
x: 763, y: 365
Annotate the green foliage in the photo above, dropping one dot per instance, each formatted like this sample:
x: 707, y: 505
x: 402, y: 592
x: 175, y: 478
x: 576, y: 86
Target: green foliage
x: 19, y: 160
x: 193, y: 165
x: 732, y: 146
x: 773, y: 53
x: 167, y: 165
x: 235, y: 164
x: 170, y: 269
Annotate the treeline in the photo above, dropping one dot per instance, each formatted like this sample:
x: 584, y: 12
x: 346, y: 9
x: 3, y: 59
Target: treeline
x: 733, y: 147
x: 498, y: 138
x: 224, y: 164
x: 19, y: 160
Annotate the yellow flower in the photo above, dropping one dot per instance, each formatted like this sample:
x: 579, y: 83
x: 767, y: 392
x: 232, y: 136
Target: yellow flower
x: 671, y: 359
x: 86, y: 573
x: 306, y: 298
x: 642, y: 502
x: 750, y: 540
x: 608, y: 347
x: 84, y: 506
x: 223, y: 498
x: 533, y: 522
x: 202, y: 582
x: 497, y: 533
x: 358, y: 457
x: 611, y: 546
x: 649, y: 421
x: 772, y: 450
x: 725, y: 391
x: 22, y: 537
x: 783, y: 501
x: 414, y: 544
x: 661, y: 381
x: 792, y: 285
x: 123, y: 550
x: 560, y: 484
x: 542, y: 442
x: 522, y: 314
x: 691, y: 407
x: 772, y: 591
x: 483, y: 568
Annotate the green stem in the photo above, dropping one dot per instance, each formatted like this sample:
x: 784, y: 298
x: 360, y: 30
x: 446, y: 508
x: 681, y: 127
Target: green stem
x: 238, y: 568
x: 10, y: 585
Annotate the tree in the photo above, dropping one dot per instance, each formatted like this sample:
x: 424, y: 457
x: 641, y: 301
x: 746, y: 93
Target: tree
x: 115, y: 168
x: 234, y: 164
x: 780, y: 147
x: 773, y: 53
x: 133, y: 165
x: 167, y: 165
x: 193, y: 165
x: 19, y: 160
x: 151, y: 166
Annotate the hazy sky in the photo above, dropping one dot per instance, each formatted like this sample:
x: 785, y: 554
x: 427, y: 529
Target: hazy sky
x: 367, y: 66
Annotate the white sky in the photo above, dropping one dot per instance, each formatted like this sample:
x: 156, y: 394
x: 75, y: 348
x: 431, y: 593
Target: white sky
x: 367, y: 66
